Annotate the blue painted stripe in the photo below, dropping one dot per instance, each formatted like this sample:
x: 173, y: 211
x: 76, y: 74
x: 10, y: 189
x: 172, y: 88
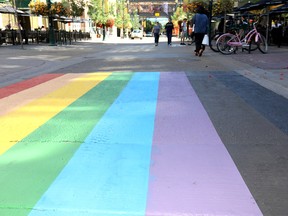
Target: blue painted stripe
x: 108, y: 175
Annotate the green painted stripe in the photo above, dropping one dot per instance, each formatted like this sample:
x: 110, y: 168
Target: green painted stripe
x: 28, y: 169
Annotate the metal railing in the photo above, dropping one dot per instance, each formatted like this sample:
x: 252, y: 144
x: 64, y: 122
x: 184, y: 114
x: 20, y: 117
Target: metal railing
x: 61, y: 37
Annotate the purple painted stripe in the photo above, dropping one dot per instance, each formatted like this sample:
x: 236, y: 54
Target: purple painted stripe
x: 191, y: 171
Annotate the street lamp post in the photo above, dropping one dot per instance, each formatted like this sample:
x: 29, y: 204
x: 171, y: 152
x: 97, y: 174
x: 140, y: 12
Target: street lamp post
x: 18, y: 23
x: 122, y: 33
x: 210, y: 19
x: 267, y: 24
x: 103, y: 24
x: 123, y: 18
x: 51, y: 25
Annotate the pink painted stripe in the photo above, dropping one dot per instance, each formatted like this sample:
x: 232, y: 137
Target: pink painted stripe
x: 191, y: 171
x: 20, y: 86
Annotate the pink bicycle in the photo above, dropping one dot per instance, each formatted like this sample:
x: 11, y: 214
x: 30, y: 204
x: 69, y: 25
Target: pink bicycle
x: 229, y: 43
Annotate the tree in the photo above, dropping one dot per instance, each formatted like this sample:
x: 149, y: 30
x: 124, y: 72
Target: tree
x: 77, y: 7
x: 192, y: 6
x: 221, y: 7
x: 179, y: 14
x: 97, y: 12
x: 100, y: 13
x: 135, y: 20
x: 122, y: 20
x: 60, y: 9
x: 149, y: 26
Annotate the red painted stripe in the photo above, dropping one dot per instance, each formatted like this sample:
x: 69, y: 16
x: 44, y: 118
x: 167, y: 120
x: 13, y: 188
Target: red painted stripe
x: 20, y: 86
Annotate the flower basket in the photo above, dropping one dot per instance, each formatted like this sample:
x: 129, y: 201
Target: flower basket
x: 59, y: 8
x: 99, y: 25
x: 39, y: 8
x: 110, y: 23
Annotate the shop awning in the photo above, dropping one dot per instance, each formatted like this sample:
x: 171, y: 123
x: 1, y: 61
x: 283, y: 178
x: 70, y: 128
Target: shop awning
x: 280, y: 10
x: 10, y: 9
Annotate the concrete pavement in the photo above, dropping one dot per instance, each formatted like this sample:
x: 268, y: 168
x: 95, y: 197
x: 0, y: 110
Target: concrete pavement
x: 219, y: 139
x: 270, y: 70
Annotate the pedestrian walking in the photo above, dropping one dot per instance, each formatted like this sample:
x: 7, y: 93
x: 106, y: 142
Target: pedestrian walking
x: 169, y: 28
x: 183, y: 31
x: 201, y: 22
x: 156, y: 31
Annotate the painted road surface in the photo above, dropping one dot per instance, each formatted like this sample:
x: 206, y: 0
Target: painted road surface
x: 109, y: 144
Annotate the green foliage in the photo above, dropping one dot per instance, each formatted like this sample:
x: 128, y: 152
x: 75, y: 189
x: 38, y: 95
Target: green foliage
x: 135, y: 20
x: 179, y: 14
x: 193, y: 5
x: 123, y: 19
x: 96, y: 11
x: 65, y: 8
x: 222, y: 7
x: 112, y: 10
x: 77, y: 7
x: 149, y: 26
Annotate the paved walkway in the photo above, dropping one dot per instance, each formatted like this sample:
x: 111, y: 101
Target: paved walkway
x: 169, y: 143
x: 115, y: 157
x: 269, y: 70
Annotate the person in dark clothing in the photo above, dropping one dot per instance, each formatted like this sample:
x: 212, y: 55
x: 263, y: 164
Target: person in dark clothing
x: 277, y: 33
x: 201, y: 22
x: 243, y: 24
x: 156, y: 31
x: 221, y: 25
x: 169, y: 28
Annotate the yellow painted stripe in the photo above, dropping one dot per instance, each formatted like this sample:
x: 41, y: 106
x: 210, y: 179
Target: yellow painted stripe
x: 18, y: 124
x: 15, y: 101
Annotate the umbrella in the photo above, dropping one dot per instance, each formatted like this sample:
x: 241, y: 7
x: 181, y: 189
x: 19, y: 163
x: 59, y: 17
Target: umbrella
x: 244, y: 7
x: 264, y: 3
x: 281, y: 9
x: 259, y: 5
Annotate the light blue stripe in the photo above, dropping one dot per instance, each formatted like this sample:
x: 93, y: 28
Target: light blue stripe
x: 109, y: 173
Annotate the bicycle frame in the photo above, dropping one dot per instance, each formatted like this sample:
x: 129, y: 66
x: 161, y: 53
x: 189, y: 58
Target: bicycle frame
x: 244, y: 41
x: 233, y: 41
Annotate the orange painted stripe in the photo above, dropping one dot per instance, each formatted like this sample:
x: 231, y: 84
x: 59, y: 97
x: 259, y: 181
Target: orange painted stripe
x: 20, y: 86
x: 22, y: 98
x: 21, y: 122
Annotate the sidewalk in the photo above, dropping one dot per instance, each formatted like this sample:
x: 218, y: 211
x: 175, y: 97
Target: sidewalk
x: 275, y: 59
x: 269, y: 70
x: 17, y: 64
x: 165, y: 129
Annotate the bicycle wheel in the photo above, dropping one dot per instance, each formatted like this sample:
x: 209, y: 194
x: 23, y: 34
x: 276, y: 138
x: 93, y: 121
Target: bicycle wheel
x: 223, y: 46
x: 250, y: 46
x: 262, y: 43
x: 213, y: 41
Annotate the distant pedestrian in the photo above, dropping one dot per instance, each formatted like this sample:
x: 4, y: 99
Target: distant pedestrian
x: 156, y: 31
x: 169, y: 28
x: 201, y: 22
x: 8, y: 26
x: 277, y: 32
x: 183, y: 32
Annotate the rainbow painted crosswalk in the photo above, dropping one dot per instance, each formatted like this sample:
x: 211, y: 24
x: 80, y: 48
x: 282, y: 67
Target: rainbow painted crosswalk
x: 110, y: 144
